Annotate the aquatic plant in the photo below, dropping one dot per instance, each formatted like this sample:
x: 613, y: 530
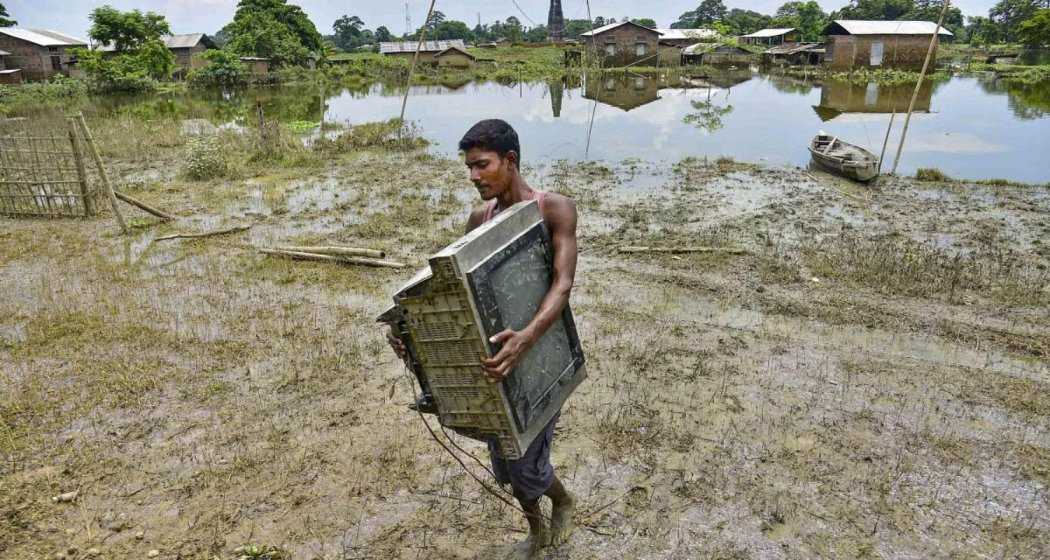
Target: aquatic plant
x: 931, y: 174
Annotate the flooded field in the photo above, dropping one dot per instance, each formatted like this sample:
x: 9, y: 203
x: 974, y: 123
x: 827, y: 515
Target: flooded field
x: 865, y: 376
x: 968, y: 127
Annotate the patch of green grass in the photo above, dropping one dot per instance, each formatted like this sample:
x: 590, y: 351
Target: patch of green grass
x: 931, y: 174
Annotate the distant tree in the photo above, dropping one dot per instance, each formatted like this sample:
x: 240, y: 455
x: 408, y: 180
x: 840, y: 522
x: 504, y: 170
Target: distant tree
x: 222, y: 36
x: 348, y: 32
x: 574, y: 27
x: 537, y: 34
x: 599, y: 21
x: 451, y: 29
x: 930, y: 10
x: 710, y: 11
x: 882, y: 10
x: 1035, y: 31
x: 1009, y: 14
x: 5, y: 19
x: 807, y: 17
x: 645, y: 22
x: 982, y: 31
x: 126, y: 31
x: 273, y: 29
x: 383, y: 35
x: 436, y: 18
x: 512, y: 30
x: 141, y: 57
x: 742, y: 22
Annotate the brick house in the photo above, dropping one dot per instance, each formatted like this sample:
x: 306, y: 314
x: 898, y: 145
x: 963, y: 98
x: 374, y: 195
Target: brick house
x: 872, y: 44
x: 39, y: 53
x: 623, y: 44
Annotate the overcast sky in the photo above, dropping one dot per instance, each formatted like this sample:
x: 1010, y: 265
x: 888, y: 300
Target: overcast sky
x: 208, y: 16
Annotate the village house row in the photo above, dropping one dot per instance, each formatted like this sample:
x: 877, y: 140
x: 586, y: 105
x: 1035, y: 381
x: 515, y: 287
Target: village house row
x: 37, y: 54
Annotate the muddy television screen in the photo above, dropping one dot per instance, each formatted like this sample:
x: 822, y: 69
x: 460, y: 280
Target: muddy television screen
x: 492, y: 279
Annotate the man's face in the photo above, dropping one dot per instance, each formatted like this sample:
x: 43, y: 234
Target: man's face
x: 490, y: 173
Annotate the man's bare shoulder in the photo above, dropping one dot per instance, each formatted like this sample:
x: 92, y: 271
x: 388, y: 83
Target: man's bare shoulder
x: 477, y: 214
x: 559, y: 208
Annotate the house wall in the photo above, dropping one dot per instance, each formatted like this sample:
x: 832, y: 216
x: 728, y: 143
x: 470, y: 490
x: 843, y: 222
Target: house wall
x: 186, y: 59
x: 34, y: 60
x: 846, y: 52
x: 670, y: 55
x: 424, y: 57
x: 624, y: 41
x: 455, y: 60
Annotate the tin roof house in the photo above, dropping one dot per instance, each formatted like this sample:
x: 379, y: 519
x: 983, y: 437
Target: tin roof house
x: 859, y: 44
x: 428, y: 51
x: 623, y: 44
x: 773, y: 36
x: 39, y: 53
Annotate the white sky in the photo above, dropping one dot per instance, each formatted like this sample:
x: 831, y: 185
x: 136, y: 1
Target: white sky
x: 208, y: 16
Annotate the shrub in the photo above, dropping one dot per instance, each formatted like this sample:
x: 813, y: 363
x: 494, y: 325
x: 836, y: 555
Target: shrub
x: 223, y: 68
x: 205, y: 158
x: 389, y: 134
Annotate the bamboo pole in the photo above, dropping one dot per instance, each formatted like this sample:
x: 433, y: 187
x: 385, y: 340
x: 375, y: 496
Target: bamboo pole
x: 886, y: 140
x: 81, y: 171
x: 334, y: 250
x: 234, y: 229
x: 915, y: 92
x: 102, y: 172
x: 142, y: 205
x: 299, y: 255
x: 415, y: 59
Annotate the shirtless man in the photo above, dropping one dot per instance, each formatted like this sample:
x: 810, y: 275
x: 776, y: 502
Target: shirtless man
x: 492, y: 153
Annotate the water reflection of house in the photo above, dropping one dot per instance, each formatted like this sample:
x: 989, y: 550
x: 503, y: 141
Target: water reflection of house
x: 624, y: 92
x: 720, y: 79
x: 715, y: 54
x: 842, y: 98
x: 624, y: 43
x: 855, y: 43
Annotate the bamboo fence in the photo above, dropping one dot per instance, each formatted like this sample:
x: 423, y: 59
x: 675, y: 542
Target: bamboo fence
x: 43, y: 172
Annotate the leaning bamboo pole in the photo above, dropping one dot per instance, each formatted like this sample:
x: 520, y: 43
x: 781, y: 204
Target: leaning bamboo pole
x: 415, y: 60
x: 143, y: 206
x: 918, y: 85
x: 106, y: 186
x: 886, y: 140
x: 334, y: 250
x: 299, y: 255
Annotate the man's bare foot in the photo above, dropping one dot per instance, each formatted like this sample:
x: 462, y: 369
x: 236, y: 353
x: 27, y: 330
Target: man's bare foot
x: 529, y: 549
x: 562, y: 524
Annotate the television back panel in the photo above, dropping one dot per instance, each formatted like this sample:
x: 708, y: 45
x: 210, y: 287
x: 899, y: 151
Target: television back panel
x: 492, y: 279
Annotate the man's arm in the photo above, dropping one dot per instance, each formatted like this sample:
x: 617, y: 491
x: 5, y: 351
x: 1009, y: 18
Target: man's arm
x: 562, y: 220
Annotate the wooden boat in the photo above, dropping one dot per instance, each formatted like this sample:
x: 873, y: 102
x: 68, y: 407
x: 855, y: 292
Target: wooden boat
x: 843, y: 158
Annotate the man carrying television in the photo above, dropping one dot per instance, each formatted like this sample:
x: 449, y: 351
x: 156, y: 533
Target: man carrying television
x: 492, y: 153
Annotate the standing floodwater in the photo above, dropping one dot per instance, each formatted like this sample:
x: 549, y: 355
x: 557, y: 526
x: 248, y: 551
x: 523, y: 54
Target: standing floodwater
x: 968, y: 127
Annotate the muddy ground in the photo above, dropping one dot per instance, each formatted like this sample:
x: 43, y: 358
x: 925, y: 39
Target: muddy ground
x: 868, y: 380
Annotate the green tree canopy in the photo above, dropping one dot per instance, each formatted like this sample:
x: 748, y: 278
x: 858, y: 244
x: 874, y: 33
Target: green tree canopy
x: 5, y: 19
x: 273, y: 29
x: 807, y: 17
x: 1035, y: 31
x: 742, y: 22
x: 126, y: 31
x: 383, y: 34
x: 349, y: 32
x: 1009, y: 14
x: 645, y: 22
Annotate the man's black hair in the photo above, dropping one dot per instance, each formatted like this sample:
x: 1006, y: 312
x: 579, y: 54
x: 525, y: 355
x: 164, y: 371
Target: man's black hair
x: 492, y: 134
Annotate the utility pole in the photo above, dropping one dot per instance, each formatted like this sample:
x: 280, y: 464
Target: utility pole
x: 408, y: 21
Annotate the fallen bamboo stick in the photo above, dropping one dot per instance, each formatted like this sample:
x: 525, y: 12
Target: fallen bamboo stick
x: 234, y: 229
x: 143, y: 206
x: 329, y: 258
x: 334, y: 250
x: 643, y: 249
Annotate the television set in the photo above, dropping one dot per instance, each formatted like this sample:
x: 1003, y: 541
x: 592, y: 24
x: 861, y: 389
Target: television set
x: 491, y: 279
